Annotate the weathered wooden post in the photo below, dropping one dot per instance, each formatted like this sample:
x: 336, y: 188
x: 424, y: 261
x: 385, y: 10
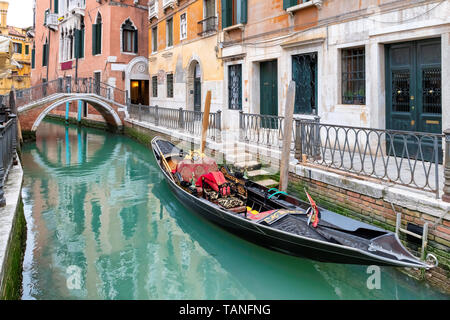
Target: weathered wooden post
x: 287, y: 138
x: 205, y: 122
x: 446, y: 195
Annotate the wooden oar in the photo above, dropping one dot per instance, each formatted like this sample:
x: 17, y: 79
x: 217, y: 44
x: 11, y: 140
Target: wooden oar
x: 205, y: 121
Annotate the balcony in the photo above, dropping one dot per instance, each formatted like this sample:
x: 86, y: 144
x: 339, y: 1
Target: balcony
x: 168, y: 3
x: 207, y: 26
x: 153, y: 9
x: 77, y: 7
x: 305, y: 4
x: 51, y: 21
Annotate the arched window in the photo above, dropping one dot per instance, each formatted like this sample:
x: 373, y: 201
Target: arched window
x: 97, y: 36
x: 129, y: 37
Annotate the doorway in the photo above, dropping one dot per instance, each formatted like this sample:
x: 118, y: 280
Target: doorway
x: 413, y: 93
x: 304, y: 73
x: 139, y: 93
x: 269, y: 93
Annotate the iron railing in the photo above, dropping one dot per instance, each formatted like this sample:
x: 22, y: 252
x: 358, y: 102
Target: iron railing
x: 207, y: 25
x: 8, y: 156
x: 407, y: 158
x: 67, y: 85
x: 185, y: 121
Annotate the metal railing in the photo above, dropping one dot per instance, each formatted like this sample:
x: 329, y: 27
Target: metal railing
x: 185, y: 121
x: 407, y: 158
x: 207, y: 25
x: 67, y: 85
x: 8, y: 155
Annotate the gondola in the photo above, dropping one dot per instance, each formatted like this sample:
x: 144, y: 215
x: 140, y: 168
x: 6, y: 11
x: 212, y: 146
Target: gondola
x: 274, y: 219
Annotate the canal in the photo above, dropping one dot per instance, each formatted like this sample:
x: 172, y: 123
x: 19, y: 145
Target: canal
x: 102, y: 224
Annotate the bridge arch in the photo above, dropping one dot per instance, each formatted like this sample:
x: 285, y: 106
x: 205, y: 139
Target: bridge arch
x: 109, y: 114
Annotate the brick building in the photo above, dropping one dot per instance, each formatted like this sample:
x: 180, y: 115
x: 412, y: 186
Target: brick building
x: 104, y: 40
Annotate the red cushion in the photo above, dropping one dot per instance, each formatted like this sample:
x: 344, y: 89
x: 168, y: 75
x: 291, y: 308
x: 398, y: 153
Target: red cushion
x: 200, y: 167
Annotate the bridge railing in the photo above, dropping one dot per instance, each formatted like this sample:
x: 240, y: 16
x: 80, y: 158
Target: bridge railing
x: 66, y: 85
x: 8, y: 155
x: 186, y: 121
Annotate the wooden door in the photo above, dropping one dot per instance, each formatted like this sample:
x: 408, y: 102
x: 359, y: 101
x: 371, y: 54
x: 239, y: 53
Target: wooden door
x: 269, y: 92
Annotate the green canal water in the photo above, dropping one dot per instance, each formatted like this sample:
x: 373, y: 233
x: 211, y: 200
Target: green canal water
x: 102, y: 224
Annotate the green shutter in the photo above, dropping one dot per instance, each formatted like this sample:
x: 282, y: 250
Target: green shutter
x: 19, y: 48
x: 242, y: 12
x: 77, y: 43
x: 56, y: 2
x: 136, y: 41
x: 94, y: 37
x: 99, y: 38
x: 27, y: 49
x: 227, y: 13
x: 289, y: 3
x: 81, y: 43
x: 44, y: 55
x: 33, y: 58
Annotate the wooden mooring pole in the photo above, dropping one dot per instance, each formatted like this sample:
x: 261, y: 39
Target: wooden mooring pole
x: 205, y: 121
x: 287, y: 137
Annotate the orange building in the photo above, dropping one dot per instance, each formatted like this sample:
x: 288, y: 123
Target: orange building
x: 184, y: 54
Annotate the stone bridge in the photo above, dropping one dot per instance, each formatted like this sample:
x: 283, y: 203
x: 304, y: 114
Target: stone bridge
x: 33, y: 104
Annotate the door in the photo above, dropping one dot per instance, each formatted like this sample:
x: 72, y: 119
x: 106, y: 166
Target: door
x: 97, y: 79
x: 304, y: 73
x: 197, y: 90
x: 139, y: 92
x: 269, y: 93
x: 413, y: 95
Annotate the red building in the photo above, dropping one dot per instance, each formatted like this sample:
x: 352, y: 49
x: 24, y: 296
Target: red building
x: 106, y: 40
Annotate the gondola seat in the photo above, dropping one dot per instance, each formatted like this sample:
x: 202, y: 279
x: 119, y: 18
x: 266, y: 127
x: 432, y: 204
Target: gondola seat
x: 188, y: 168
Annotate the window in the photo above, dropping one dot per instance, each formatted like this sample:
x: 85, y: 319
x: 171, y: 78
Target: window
x: 170, y: 85
x: 56, y: 6
x: 155, y: 86
x: 183, y: 26
x: 169, y: 27
x: 17, y: 47
x: 27, y: 49
x: 97, y: 36
x: 234, y: 12
x: 33, y: 57
x: 291, y: 3
x: 79, y: 42
x: 154, y: 39
x: 45, y: 54
x: 353, y: 76
x: 129, y: 37
x: 235, y: 87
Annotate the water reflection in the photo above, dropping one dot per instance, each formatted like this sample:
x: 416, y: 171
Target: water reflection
x: 103, y: 225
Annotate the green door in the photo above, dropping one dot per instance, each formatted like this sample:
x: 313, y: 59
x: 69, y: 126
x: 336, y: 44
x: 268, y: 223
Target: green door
x: 413, y: 95
x: 269, y: 93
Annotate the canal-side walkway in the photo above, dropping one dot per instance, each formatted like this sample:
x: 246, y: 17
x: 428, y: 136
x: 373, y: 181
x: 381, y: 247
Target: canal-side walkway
x: 12, y: 231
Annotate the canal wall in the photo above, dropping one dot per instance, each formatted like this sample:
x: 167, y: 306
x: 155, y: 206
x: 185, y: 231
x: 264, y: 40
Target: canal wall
x: 12, y: 236
x: 372, y: 205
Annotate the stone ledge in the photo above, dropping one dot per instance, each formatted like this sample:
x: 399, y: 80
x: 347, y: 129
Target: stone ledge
x: 12, y: 189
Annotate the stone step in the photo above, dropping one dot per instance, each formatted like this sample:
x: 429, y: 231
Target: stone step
x: 238, y: 157
x: 250, y: 165
x: 259, y: 172
x: 267, y: 182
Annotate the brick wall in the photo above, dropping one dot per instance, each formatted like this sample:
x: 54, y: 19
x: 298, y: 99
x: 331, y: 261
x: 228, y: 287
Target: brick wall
x: 380, y: 213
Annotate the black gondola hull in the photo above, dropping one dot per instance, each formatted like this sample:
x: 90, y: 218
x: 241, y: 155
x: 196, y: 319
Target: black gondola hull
x: 276, y: 239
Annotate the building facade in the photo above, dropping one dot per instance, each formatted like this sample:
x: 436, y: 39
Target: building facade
x: 184, y: 55
x: 103, y: 40
x: 20, y: 76
x: 376, y: 63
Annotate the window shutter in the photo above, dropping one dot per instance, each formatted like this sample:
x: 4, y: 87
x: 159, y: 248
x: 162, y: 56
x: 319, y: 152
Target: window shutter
x: 82, y: 43
x: 99, y: 38
x: 33, y: 58
x: 77, y: 43
x: 242, y: 12
x: 227, y: 13
x: 135, y: 41
x: 289, y: 3
x: 56, y: 6
x: 44, y: 55
x: 20, y: 48
x: 94, y: 39
x: 27, y: 50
